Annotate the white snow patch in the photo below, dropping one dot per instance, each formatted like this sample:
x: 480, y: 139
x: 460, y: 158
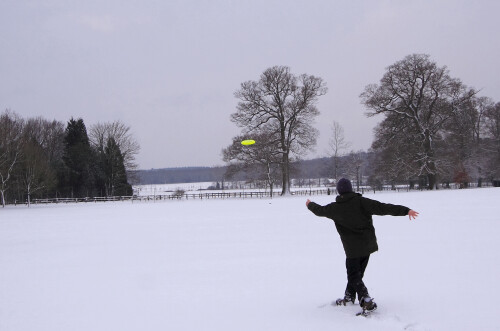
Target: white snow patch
x: 246, y: 265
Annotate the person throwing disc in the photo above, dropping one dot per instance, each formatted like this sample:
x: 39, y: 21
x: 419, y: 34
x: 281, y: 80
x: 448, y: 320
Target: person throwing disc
x: 352, y: 214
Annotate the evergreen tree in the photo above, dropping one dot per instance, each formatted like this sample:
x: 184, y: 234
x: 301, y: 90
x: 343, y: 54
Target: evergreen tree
x: 77, y: 178
x: 114, y: 171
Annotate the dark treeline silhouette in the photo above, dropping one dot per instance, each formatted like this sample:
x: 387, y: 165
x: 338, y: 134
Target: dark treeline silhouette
x: 180, y: 175
x: 47, y: 159
x: 303, y: 169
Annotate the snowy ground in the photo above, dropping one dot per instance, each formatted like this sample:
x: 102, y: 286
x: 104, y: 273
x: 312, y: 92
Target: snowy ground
x: 159, y: 189
x: 203, y: 187
x: 246, y: 265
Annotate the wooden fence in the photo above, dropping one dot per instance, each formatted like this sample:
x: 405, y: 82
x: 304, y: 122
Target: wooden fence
x: 221, y: 195
x: 186, y: 196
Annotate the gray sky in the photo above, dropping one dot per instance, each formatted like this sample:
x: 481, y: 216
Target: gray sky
x: 169, y: 68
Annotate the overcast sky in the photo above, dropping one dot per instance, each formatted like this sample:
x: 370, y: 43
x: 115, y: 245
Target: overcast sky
x: 169, y: 68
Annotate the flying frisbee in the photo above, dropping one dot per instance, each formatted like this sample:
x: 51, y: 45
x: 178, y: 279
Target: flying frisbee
x: 248, y: 142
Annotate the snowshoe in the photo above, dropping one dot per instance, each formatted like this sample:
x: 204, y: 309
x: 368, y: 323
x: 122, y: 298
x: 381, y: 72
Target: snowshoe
x: 368, y: 306
x: 344, y: 301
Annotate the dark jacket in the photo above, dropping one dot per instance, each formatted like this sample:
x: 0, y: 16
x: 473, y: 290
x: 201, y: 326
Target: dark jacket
x: 352, y: 215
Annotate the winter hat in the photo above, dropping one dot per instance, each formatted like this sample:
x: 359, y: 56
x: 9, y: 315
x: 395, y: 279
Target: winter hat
x: 344, y: 186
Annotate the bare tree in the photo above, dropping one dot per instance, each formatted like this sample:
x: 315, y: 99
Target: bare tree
x: 35, y: 170
x: 356, y: 161
x: 47, y: 134
x: 100, y: 133
x: 11, y: 130
x: 337, y: 144
x: 265, y: 155
x: 416, y: 89
x: 463, y: 137
x: 482, y: 105
x: 283, y: 104
x: 42, y: 155
x: 492, y: 145
x: 395, y: 150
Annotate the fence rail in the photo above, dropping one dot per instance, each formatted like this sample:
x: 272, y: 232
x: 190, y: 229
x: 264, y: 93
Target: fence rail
x: 220, y: 195
x: 186, y: 196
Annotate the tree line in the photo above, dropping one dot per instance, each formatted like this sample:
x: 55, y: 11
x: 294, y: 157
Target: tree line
x: 434, y: 128
x: 304, y: 173
x: 180, y: 175
x: 41, y: 158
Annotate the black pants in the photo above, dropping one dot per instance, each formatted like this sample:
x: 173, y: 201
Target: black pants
x: 355, y: 272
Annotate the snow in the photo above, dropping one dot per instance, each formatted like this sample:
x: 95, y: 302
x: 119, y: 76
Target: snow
x: 158, y: 189
x: 254, y: 264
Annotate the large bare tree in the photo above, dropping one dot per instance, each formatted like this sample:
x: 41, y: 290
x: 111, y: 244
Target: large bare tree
x: 42, y: 155
x: 36, y: 173
x: 100, y: 133
x: 49, y: 135
x: 11, y: 131
x: 261, y: 158
x: 282, y: 104
x: 423, y: 97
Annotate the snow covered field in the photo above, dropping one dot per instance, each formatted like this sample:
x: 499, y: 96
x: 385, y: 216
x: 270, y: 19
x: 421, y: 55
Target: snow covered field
x: 246, y: 265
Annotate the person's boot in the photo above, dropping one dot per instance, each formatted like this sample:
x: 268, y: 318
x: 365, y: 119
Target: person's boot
x: 367, y: 304
x: 347, y: 298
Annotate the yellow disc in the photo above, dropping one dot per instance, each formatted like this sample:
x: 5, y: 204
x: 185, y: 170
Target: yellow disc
x: 248, y: 142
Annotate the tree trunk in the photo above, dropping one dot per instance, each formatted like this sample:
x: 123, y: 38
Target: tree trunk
x: 431, y: 165
x: 432, y: 181
x: 285, y: 167
x: 335, y: 167
x: 269, y: 180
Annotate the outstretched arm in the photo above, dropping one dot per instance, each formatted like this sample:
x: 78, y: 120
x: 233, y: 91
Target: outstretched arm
x: 318, y: 210
x: 375, y: 207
